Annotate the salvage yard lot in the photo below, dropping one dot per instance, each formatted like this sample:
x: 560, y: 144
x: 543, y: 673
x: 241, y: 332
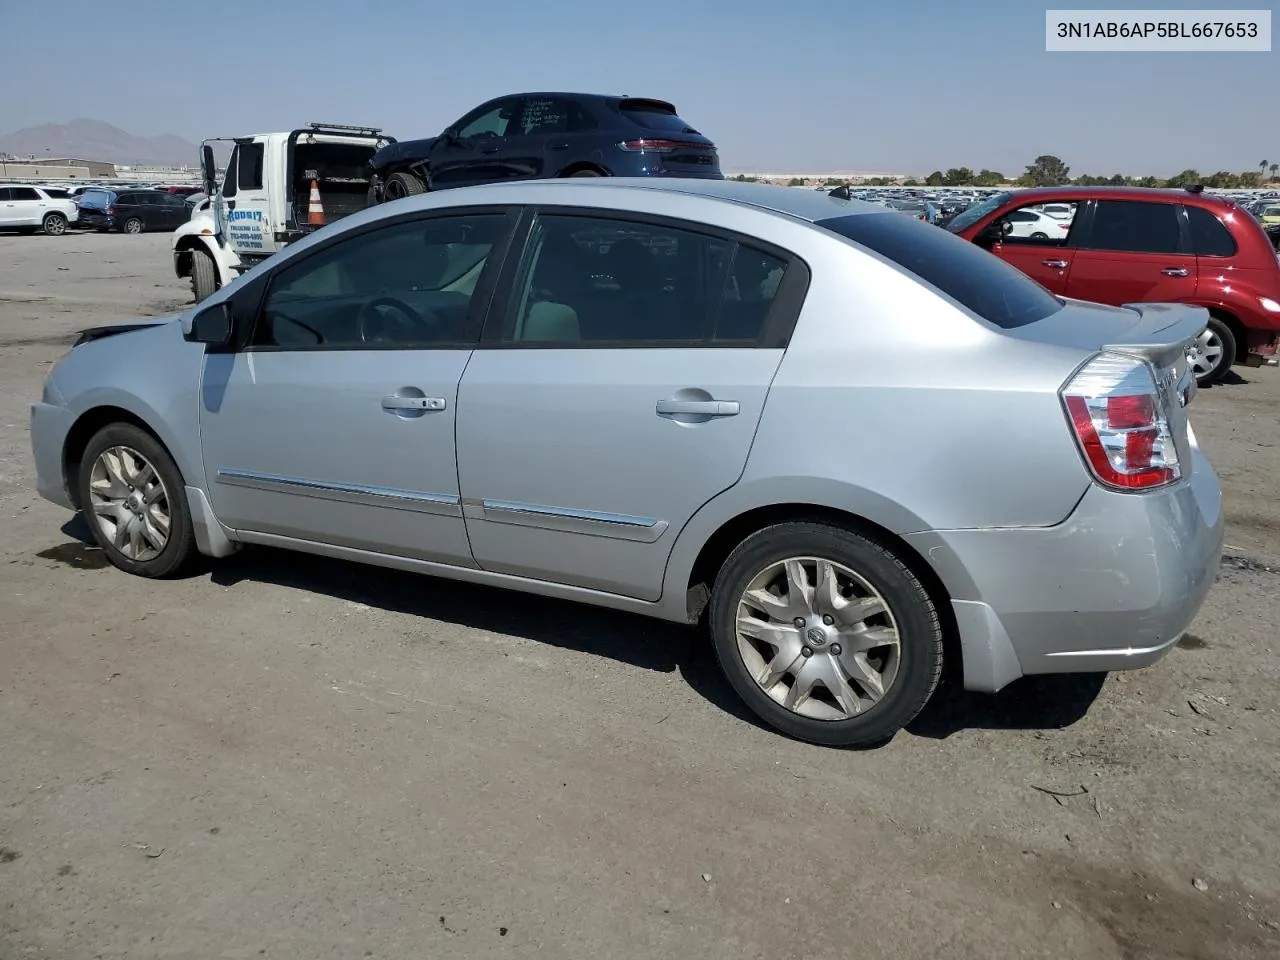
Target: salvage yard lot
x: 289, y: 757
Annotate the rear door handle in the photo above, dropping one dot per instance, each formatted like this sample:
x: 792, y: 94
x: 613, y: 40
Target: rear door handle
x: 1175, y: 271
x: 557, y: 146
x: 488, y: 150
x: 702, y: 408
x: 1057, y: 264
x: 396, y: 402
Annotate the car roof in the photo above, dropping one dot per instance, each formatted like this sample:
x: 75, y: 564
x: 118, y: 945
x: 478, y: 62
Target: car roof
x: 1045, y: 194
x: 808, y: 205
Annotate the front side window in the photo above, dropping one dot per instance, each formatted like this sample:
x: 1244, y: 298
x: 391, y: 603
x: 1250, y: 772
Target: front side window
x: 968, y: 217
x: 249, y: 176
x: 1033, y: 226
x: 593, y: 281
x: 229, y: 181
x: 1136, y: 226
x: 986, y: 285
x: 492, y: 123
x: 409, y: 283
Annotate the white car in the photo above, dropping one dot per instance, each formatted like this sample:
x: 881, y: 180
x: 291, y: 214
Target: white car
x: 24, y: 207
x: 1027, y: 224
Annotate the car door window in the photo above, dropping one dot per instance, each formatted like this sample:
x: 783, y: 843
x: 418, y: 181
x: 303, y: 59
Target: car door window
x: 589, y: 281
x: 542, y: 116
x: 23, y: 193
x: 1136, y: 226
x: 229, y: 180
x: 249, y: 166
x: 492, y: 123
x: 411, y: 283
x: 1209, y: 237
x: 6, y: 193
x: 1031, y: 226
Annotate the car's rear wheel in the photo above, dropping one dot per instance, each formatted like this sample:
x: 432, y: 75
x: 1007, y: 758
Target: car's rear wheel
x: 132, y: 225
x: 1039, y: 235
x: 133, y: 497
x: 54, y: 224
x: 1213, y: 353
x: 825, y: 634
x: 400, y: 185
x: 586, y: 173
x: 204, y: 275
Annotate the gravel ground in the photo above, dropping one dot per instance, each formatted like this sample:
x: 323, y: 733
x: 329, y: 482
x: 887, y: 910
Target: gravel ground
x: 291, y: 757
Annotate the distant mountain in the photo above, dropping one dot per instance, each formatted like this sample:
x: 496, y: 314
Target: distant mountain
x: 95, y: 140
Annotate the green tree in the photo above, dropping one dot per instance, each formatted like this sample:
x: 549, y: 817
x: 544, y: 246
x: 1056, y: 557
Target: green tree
x: 934, y: 179
x: 1048, y: 171
x: 1262, y: 168
x: 1274, y: 168
x: 911, y: 182
x: 1117, y: 180
x: 958, y: 177
x: 1249, y: 180
x: 988, y: 178
x: 1147, y: 181
x: 795, y: 182
x: 1184, y: 178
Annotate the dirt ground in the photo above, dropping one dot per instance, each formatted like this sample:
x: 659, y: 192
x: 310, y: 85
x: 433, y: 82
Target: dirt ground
x: 295, y: 758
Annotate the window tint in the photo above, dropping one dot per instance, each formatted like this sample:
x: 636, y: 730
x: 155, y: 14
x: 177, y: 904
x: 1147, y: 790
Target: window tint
x: 23, y: 193
x: 544, y: 115
x: 1135, y: 226
x: 410, y: 283
x: 1209, y: 237
x: 5, y: 193
x: 229, y: 181
x: 250, y: 166
x: 492, y: 123
x: 651, y: 116
x: 598, y: 280
x: 57, y: 193
x: 985, y: 284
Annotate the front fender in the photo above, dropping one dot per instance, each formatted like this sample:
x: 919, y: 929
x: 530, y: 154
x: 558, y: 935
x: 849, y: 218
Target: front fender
x: 769, y: 492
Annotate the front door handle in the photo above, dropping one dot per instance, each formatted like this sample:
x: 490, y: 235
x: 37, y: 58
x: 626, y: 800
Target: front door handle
x: 1175, y: 271
x: 397, y: 402
x: 558, y: 146
x: 488, y: 150
x: 1056, y: 264
x: 701, y: 408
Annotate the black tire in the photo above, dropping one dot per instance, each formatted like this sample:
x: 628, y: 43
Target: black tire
x: 914, y: 613
x: 180, y: 548
x: 204, y: 275
x: 133, y: 225
x: 1039, y: 235
x: 401, y: 185
x: 1217, y: 328
x: 54, y: 224
x: 586, y: 173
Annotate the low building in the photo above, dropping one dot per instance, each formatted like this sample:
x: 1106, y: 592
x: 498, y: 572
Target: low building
x: 50, y: 168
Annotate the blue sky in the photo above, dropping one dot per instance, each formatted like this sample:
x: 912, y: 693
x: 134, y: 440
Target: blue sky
x: 782, y: 85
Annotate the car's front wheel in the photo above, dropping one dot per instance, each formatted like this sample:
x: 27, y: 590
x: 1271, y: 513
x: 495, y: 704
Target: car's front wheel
x: 1213, y: 353
x: 133, y: 497
x: 825, y: 634
x: 401, y: 185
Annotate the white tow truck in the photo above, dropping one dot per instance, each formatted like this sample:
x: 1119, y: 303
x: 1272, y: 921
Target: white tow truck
x: 263, y: 201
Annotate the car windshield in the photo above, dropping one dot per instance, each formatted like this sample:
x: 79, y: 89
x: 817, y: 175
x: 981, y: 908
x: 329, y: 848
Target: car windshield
x: 972, y: 215
x: 984, y: 284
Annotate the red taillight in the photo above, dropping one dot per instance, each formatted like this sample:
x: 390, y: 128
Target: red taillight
x: 654, y: 146
x: 109, y: 211
x: 1120, y: 423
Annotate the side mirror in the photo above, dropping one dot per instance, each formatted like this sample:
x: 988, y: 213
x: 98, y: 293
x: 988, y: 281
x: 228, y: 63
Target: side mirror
x: 450, y: 137
x: 208, y: 169
x: 212, y: 325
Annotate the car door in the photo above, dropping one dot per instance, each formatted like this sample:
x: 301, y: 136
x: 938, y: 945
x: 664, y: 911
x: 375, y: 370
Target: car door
x: 470, y: 151
x: 1134, y: 251
x: 1044, y: 251
x: 616, y: 391
x: 174, y: 211
x: 249, y: 226
x: 8, y: 209
x: 539, y: 144
x: 26, y: 207
x: 334, y: 423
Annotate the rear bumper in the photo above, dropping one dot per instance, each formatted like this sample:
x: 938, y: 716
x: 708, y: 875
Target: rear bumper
x: 49, y: 428
x: 1111, y: 588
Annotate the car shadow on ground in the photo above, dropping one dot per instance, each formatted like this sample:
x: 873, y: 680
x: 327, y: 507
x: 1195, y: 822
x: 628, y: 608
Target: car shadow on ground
x: 1030, y: 703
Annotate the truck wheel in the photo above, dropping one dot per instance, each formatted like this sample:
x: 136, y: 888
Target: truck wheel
x: 401, y: 185
x: 204, y: 275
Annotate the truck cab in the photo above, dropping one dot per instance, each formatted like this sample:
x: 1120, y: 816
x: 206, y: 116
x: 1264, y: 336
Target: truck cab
x: 263, y: 200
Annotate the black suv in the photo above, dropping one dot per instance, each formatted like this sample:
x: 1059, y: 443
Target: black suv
x: 131, y: 211
x: 538, y: 135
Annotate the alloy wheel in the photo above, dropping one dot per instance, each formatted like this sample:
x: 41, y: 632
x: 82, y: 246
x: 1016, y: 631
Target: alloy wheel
x: 129, y: 503
x: 1206, y: 353
x: 817, y: 638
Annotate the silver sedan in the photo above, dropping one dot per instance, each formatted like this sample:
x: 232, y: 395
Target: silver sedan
x: 853, y: 444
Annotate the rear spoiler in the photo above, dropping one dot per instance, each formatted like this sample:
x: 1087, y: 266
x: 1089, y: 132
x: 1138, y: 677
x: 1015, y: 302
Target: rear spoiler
x: 646, y: 103
x: 1163, y: 333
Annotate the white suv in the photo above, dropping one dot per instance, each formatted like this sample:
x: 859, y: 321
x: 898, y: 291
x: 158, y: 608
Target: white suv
x: 23, y: 206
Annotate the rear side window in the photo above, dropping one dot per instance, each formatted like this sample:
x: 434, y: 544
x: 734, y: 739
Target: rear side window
x: 654, y: 116
x: 1209, y: 237
x: 985, y: 284
x: 23, y: 193
x: 1135, y: 226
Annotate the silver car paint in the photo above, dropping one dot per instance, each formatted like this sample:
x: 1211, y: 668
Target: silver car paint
x: 891, y: 403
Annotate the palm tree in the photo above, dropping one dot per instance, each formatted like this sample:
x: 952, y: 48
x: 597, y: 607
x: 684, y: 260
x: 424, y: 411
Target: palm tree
x: 1274, y: 168
x: 1262, y: 169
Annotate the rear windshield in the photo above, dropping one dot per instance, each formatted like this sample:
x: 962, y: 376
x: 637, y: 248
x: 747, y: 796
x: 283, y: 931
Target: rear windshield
x: 96, y: 198
x: 653, y: 116
x: 56, y: 193
x: 980, y: 281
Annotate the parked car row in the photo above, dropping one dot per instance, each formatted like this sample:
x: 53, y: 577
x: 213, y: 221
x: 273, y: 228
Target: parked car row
x: 53, y: 210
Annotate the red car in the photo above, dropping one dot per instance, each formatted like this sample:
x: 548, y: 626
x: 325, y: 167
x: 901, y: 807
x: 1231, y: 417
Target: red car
x: 1121, y: 245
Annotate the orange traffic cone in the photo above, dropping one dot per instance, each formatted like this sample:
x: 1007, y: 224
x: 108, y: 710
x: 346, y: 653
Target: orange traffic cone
x: 315, y: 212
